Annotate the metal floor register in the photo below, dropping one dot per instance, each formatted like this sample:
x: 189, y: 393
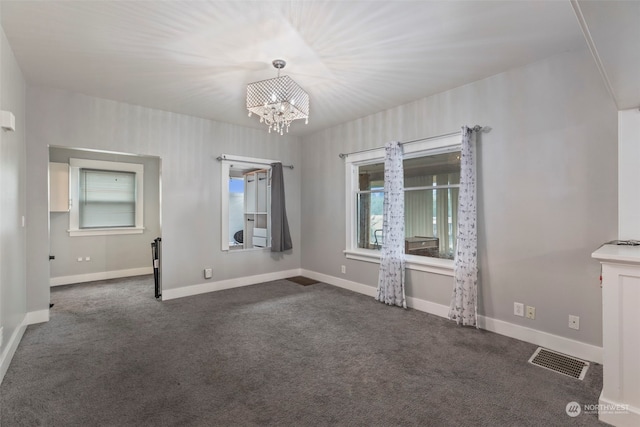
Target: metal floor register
x: 560, y: 363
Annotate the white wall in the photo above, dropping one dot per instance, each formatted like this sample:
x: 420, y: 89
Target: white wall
x: 547, y: 190
x: 187, y: 147
x: 629, y: 174
x: 109, y: 253
x: 12, y: 206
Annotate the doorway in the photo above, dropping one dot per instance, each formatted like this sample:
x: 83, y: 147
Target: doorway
x: 104, y: 213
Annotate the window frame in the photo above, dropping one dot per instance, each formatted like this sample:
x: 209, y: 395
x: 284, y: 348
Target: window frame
x: 428, y: 147
x: 74, y: 187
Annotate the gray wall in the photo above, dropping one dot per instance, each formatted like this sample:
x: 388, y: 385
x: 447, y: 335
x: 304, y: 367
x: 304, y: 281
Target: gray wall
x: 190, y: 194
x: 12, y: 196
x: 547, y: 190
x: 112, y: 252
x: 547, y: 186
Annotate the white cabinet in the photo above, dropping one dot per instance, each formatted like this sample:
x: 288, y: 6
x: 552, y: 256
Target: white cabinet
x: 58, y: 187
x: 620, y: 397
x: 256, y: 209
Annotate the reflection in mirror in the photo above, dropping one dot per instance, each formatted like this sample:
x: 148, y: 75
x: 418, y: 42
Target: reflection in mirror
x: 236, y: 211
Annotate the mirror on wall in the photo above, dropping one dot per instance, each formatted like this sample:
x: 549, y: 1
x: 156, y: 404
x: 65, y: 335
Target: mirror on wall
x: 246, y: 205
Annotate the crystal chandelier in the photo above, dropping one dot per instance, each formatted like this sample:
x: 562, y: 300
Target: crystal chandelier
x: 278, y: 101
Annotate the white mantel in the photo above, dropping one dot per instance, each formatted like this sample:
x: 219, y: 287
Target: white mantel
x: 618, y: 254
x: 620, y: 397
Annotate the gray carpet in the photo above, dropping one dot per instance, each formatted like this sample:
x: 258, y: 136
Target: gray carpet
x: 272, y: 354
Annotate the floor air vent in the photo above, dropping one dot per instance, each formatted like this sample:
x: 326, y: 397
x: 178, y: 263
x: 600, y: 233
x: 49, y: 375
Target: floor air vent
x: 560, y: 363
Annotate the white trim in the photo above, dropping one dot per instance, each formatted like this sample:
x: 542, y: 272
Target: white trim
x: 341, y: 283
x: 553, y: 342
x: 427, y: 147
x: 629, y: 419
x: 203, y: 288
x: 105, y: 231
x: 557, y: 343
x: 102, y: 275
x: 10, y: 349
x: 11, y: 345
x: 440, y: 266
x: 253, y: 249
x: 225, y: 167
x: 33, y: 317
x: 592, y: 48
x: 260, y: 161
x: 416, y: 303
x: 428, y: 307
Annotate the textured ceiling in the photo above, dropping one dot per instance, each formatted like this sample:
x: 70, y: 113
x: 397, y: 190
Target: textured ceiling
x: 353, y: 57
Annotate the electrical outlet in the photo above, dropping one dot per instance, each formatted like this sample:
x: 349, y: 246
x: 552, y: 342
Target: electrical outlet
x: 87, y: 258
x: 518, y: 309
x: 574, y: 322
x: 531, y: 312
x: 208, y: 273
x: 79, y: 259
x: 343, y: 268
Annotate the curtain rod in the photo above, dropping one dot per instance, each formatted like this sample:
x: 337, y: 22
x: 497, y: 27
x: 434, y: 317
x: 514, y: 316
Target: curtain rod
x: 221, y: 158
x: 476, y: 128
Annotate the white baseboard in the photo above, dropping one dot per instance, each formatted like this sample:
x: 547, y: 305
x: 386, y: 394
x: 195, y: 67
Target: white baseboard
x: 553, y: 342
x: 34, y: 317
x: 30, y: 318
x: 341, y: 283
x: 557, y: 343
x: 102, y: 275
x: 416, y: 303
x: 610, y: 412
x: 428, y: 307
x: 202, y: 288
x: 10, y: 349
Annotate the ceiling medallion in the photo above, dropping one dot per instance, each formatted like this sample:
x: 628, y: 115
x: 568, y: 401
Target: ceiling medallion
x: 278, y: 101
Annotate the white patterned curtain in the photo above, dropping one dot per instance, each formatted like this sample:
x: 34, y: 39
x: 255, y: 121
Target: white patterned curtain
x: 391, y: 275
x: 465, y: 268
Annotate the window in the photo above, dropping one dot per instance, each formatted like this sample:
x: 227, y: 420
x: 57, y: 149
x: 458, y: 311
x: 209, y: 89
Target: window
x: 106, y: 197
x: 431, y: 180
x: 245, y: 203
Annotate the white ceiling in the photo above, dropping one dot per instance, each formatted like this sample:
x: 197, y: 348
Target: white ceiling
x: 353, y: 57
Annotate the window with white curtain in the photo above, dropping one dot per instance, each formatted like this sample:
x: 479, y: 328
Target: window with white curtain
x: 431, y: 181
x: 106, y: 197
